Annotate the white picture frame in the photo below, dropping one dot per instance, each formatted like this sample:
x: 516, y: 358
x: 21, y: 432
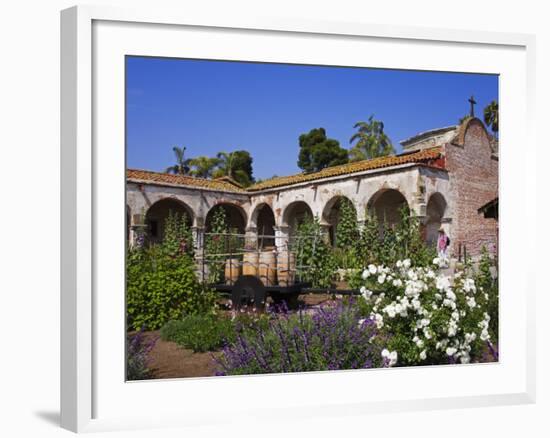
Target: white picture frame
x: 84, y: 201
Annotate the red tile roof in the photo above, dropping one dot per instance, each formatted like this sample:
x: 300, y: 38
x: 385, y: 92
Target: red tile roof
x: 431, y: 156
x: 146, y: 176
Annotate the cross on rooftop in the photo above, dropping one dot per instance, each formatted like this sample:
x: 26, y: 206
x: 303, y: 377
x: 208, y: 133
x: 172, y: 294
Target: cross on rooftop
x: 472, y: 103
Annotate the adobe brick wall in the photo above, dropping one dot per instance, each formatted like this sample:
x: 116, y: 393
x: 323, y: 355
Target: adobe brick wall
x: 474, y: 182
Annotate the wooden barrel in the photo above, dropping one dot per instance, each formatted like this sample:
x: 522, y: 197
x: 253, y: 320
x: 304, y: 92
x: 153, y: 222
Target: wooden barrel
x: 286, y: 268
x: 232, y: 270
x: 267, y: 267
x: 250, y: 263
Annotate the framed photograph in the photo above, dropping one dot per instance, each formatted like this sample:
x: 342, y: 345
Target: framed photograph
x: 320, y: 217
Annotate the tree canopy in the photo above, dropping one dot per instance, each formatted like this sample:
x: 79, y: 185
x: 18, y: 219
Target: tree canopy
x: 236, y: 165
x: 182, y: 164
x: 203, y: 166
x: 371, y: 141
x: 490, y: 116
x: 317, y: 151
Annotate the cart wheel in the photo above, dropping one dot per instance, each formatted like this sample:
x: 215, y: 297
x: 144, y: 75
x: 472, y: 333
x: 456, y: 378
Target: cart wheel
x: 248, y: 289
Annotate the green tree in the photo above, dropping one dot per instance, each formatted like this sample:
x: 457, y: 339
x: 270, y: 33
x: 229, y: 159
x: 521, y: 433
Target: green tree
x: 371, y: 141
x: 203, y: 166
x: 237, y: 165
x: 318, y: 152
x: 490, y: 116
x: 182, y: 164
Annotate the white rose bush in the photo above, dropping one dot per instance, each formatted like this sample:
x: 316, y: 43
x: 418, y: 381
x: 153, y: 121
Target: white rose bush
x: 426, y: 317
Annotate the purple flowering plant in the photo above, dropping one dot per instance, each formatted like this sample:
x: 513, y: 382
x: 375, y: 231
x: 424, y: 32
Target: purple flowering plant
x: 331, y: 337
x: 137, y: 356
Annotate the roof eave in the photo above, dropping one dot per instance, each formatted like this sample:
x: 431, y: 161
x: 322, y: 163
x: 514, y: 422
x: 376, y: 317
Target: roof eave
x: 345, y: 176
x: 186, y: 186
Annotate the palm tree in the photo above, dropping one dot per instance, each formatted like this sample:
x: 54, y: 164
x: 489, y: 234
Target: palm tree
x: 490, y: 116
x: 227, y: 166
x: 182, y: 165
x: 371, y: 140
x: 203, y: 166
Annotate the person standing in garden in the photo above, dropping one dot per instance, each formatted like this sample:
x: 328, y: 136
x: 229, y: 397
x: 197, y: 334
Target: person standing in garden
x: 443, y: 243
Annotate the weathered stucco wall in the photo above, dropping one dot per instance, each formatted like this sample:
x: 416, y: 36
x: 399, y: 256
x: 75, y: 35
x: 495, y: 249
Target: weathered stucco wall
x: 449, y: 198
x: 415, y: 183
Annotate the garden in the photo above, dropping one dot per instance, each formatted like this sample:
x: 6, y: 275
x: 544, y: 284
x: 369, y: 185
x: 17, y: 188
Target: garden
x: 408, y: 309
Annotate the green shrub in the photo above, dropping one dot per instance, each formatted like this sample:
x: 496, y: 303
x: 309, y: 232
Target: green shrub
x: 161, y: 287
x: 199, y: 332
x: 210, y: 332
x: 160, y: 280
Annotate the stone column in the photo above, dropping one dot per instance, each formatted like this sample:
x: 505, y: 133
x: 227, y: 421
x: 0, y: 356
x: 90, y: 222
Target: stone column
x: 325, y: 228
x: 198, y: 248
x: 198, y: 237
x: 137, y: 235
x: 251, y: 238
x: 282, y: 238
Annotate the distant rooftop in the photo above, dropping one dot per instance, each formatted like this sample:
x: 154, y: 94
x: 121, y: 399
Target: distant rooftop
x: 432, y: 133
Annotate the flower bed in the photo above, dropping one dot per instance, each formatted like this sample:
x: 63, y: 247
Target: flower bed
x: 429, y: 318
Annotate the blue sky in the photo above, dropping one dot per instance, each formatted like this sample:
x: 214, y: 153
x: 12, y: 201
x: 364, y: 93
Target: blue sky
x: 212, y: 106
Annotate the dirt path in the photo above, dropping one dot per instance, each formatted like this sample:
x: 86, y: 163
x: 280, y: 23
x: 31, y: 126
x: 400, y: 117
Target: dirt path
x: 169, y: 361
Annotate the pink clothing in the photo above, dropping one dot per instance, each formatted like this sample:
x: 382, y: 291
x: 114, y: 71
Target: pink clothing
x: 442, y: 242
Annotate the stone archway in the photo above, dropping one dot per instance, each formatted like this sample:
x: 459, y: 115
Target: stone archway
x: 235, y: 217
x: 295, y: 214
x: 332, y: 215
x: 386, y: 205
x: 435, y: 212
x: 157, y: 214
x: 263, y: 219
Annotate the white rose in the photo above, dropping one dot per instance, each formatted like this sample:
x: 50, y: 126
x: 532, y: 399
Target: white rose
x: 450, y: 351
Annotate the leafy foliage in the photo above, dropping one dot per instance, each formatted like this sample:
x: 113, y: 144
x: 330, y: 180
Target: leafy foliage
x: 333, y: 338
x: 383, y: 244
x: 490, y: 116
x: 182, y: 164
x: 215, y: 242
x: 317, y: 151
x: 178, y: 237
x: 160, y: 280
x: 199, y: 332
x: 347, y: 236
x: 237, y: 165
x: 203, y: 166
x: 347, y: 230
x: 210, y: 332
x: 371, y: 141
x: 315, y: 261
